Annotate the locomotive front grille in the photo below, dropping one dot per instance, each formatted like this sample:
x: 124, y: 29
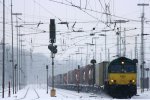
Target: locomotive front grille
x: 122, y: 78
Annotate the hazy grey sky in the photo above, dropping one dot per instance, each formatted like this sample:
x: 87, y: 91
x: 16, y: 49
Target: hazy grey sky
x: 35, y: 11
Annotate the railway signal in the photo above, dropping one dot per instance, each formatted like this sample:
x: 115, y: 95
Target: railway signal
x: 78, y: 81
x: 47, y: 77
x: 93, y: 61
x: 15, y: 76
x: 53, y: 49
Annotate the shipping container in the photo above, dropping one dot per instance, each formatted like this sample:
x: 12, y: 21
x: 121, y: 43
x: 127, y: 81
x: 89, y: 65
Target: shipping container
x: 65, y: 78
x: 70, y: 77
x: 82, y: 75
x: 76, y: 77
x: 89, y: 75
x: 101, y: 73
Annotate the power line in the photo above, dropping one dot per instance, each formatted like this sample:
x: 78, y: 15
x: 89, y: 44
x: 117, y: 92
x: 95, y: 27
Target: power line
x: 94, y: 11
x: 17, y: 16
x: 101, y: 5
x: 88, y: 13
x: 46, y: 10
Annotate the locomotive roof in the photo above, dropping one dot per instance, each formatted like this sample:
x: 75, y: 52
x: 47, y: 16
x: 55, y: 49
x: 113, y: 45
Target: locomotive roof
x: 122, y: 59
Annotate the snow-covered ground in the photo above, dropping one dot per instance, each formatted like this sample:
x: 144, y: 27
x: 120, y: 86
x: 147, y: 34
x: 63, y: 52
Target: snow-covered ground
x: 34, y: 92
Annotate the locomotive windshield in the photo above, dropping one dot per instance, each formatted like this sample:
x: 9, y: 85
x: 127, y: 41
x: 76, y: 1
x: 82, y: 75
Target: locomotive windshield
x: 122, y: 68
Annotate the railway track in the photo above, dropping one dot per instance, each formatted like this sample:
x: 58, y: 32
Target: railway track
x: 24, y: 95
x: 73, y: 94
x: 36, y: 94
x: 30, y: 91
x: 64, y: 93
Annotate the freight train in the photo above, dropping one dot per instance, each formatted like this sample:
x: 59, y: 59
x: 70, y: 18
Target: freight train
x: 116, y: 78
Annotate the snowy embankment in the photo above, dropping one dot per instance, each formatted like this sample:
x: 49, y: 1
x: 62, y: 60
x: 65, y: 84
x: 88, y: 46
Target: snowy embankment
x: 144, y: 95
x: 34, y: 92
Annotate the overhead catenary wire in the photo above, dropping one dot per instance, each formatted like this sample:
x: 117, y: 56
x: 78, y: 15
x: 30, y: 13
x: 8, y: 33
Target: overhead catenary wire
x: 47, y: 10
x: 73, y: 19
x: 14, y: 22
x: 101, y: 5
x: 89, y: 14
x: 17, y: 16
x: 94, y: 11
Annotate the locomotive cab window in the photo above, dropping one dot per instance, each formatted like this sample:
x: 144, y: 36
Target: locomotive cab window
x: 115, y: 69
x: 130, y: 68
x: 122, y: 69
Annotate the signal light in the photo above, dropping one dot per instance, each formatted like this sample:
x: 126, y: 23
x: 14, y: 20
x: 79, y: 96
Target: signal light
x: 52, y: 48
x: 52, y: 31
x: 55, y: 49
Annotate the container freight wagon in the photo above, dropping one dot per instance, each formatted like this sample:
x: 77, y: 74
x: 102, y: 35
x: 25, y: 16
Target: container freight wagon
x: 101, y: 74
x: 82, y: 75
x: 88, y: 75
x: 70, y: 77
x: 58, y: 79
x: 65, y: 79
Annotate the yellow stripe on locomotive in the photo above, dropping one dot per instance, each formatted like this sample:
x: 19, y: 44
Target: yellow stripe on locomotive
x: 122, y: 71
x: 122, y: 78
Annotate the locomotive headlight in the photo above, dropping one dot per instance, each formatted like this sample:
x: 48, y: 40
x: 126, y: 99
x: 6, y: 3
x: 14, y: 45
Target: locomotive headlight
x: 112, y: 81
x: 133, y: 81
x: 122, y: 62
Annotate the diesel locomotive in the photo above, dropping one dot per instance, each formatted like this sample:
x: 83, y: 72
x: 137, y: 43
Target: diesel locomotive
x: 122, y: 77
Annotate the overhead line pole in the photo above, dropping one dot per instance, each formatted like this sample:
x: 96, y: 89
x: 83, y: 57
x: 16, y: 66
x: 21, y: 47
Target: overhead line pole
x: 136, y: 57
x: 135, y: 52
x: 19, y: 62
x: 16, y: 14
x: 117, y: 33
x: 119, y: 37
x: 105, y: 43
x: 87, y: 53
x: 3, y: 75
x: 124, y: 42
x: 19, y: 65
x: 142, y: 46
x: 12, y: 47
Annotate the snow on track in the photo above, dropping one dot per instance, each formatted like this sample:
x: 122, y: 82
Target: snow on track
x: 62, y: 94
x: 31, y: 94
x: 24, y: 95
x: 27, y: 93
x: 34, y: 92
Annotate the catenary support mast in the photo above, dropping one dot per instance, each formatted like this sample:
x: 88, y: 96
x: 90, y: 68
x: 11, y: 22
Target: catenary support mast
x: 142, y: 46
